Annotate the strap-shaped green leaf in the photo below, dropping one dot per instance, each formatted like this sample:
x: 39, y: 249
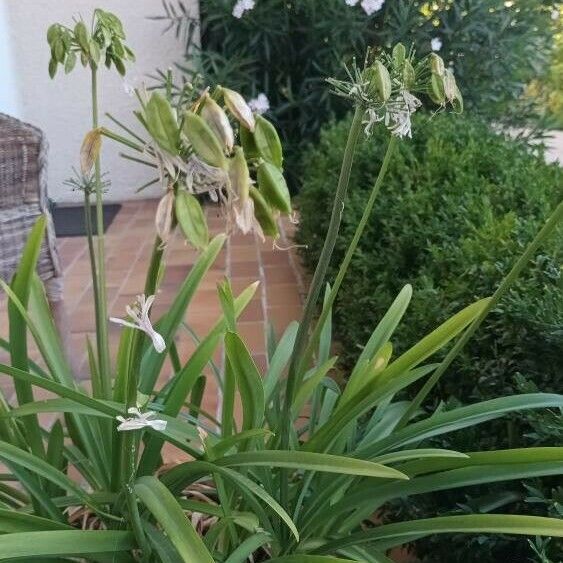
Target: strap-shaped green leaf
x: 168, y: 513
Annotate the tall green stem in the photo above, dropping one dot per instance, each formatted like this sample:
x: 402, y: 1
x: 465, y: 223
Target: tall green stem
x: 317, y: 284
x: 102, y: 314
x: 348, y: 257
x: 522, y: 262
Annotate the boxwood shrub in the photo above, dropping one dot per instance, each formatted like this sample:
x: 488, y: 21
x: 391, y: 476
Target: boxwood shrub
x: 458, y: 206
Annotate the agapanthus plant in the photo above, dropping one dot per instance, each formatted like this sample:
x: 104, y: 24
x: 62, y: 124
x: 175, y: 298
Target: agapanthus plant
x: 304, y: 473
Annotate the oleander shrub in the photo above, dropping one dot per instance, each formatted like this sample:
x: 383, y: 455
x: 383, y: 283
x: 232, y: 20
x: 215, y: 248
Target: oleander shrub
x: 455, y: 209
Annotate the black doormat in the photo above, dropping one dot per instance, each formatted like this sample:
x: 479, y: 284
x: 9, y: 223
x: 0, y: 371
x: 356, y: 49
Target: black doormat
x: 69, y: 221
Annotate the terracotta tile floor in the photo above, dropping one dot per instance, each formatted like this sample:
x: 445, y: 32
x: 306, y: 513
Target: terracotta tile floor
x: 128, y: 246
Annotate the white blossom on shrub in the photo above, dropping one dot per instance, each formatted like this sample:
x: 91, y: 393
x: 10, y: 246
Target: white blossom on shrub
x: 372, y: 6
x: 241, y: 7
x: 436, y: 43
x: 260, y: 104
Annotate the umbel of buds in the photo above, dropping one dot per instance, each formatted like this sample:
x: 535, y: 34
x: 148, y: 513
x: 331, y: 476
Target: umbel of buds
x: 192, y: 144
x: 390, y: 86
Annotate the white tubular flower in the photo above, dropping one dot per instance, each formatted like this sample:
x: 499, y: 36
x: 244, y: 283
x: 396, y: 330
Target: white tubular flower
x: 140, y: 420
x: 436, y: 43
x: 399, y: 111
x: 372, y: 6
x: 241, y: 7
x: 260, y: 104
x: 139, y: 315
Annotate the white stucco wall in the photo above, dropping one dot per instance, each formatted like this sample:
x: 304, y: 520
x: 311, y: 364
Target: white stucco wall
x: 62, y: 107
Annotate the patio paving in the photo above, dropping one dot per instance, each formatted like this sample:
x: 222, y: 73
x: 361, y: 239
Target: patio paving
x: 245, y: 259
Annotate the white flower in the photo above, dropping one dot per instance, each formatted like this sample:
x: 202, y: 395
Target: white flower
x: 260, y: 104
x: 555, y: 14
x: 140, y: 420
x: 352, y: 2
x: 399, y: 111
x: 372, y: 6
x: 241, y: 7
x: 139, y: 315
x: 436, y: 43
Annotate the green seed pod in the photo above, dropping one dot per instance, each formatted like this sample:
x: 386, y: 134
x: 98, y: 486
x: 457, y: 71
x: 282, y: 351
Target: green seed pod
x: 274, y: 188
x: 191, y: 219
x: 399, y: 55
x: 437, y: 64
x: 436, y: 89
x: 457, y: 102
x: 248, y: 143
x: 239, y: 174
x: 409, y: 75
x: 204, y: 142
x: 264, y: 214
x: 217, y: 119
x: 237, y: 105
x: 161, y: 123
x: 82, y: 37
x: 449, y: 85
x: 268, y: 142
x: 379, y: 80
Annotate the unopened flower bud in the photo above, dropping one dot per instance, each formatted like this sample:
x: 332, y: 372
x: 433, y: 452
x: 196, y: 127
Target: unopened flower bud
x: 204, y: 142
x: 437, y: 64
x: 237, y: 105
x: 379, y: 81
x: 409, y: 75
x: 268, y: 141
x: 217, y: 119
x: 239, y: 174
x: 457, y: 102
x: 399, y: 55
x: 264, y: 214
x: 274, y: 187
x: 436, y: 89
x: 191, y: 219
x: 449, y: 85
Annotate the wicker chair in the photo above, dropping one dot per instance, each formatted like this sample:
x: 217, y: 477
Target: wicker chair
x: 23, y: 198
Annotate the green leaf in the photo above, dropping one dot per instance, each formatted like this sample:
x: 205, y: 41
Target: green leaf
x: 168, y: 513
x: 268, y: 142
x: 309, y: 385
x: 248, y: 379
x: 312, y: 462
x: 12, y: 521
x: 65, y: 543
x: 470, y: 524
x: 153, y: 361
x: 185, y: 473
x: 280, y: 359
x: 308, y: 559
x: 248, y: 547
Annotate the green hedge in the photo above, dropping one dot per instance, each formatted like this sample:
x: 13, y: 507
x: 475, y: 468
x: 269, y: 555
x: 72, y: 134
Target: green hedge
x: 458, y: 206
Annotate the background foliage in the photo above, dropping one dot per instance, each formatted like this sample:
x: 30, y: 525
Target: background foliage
x: 287, y: 50
x: 458, y: 205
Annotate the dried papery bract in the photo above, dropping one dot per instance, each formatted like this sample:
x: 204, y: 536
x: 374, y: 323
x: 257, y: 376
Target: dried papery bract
x: 164, y: 217
x: 90, y: 150
x: 237, y: 105
x: 217, y: 119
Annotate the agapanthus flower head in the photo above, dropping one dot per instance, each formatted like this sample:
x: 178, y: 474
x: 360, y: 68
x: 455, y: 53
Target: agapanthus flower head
x: 242, y: 6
